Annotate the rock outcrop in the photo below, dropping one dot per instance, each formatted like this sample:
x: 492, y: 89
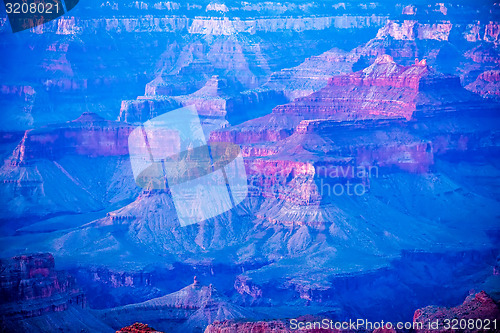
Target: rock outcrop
x: 487, y: 85
x: 382, y: 90
x: 36, y: 173
x: 440, y: 30
x: 247, y: 327
x: 215, y: 26
x: 35, y: 297
x: 138, y: 328
x: 311, y: 75
x: 214, y: 100
x: 194, y: 306
x: 353, y: 159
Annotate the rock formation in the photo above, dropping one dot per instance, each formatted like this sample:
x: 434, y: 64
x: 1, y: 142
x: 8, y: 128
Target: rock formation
x: 33, y: 277
x: 89, y: 135
x: 195, y: 306
x: 478, y: 308
x: 487, y: 85
x: 34, y: 294
x: 369, y: 150
x: 382, y: 90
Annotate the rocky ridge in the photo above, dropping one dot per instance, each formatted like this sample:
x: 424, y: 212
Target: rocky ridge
x: 138, y: 328
x: 194, y: 307
x: 288, y: 226
x: 476, y: 306
x: 382, y: 90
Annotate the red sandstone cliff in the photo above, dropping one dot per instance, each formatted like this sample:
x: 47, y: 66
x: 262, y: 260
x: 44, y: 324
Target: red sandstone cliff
x: 487, y: 84
x: 30, y: 286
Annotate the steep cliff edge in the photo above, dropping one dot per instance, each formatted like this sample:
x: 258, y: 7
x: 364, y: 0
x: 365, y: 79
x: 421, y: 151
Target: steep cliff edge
x: 480, y: 308
x: 138, y: 328
x: 89, y: 135
x: 213, y: 100
x: 382, y: 90
x: 33, y: 277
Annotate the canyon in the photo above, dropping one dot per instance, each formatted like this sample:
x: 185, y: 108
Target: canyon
x: 370, y: 139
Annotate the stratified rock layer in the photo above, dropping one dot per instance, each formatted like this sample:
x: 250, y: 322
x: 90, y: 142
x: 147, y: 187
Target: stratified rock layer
x: 476, y: 308
x: 138, y: 328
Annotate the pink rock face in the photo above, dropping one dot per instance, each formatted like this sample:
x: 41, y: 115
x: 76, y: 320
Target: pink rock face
x: 88, y: 135
x: 487, y: 85
x: 478, y: 306
x: 32, y: 282
x: 409, y: 10
x: 490, y: 76
x: 276, y: 178
x: 362, y: 120
x: 278, y: 326
x: 138, y: 328
x: 24, y: 92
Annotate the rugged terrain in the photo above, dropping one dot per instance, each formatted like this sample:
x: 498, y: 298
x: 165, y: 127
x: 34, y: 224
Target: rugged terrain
x: 370, y: 138
x: 478, y: 306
